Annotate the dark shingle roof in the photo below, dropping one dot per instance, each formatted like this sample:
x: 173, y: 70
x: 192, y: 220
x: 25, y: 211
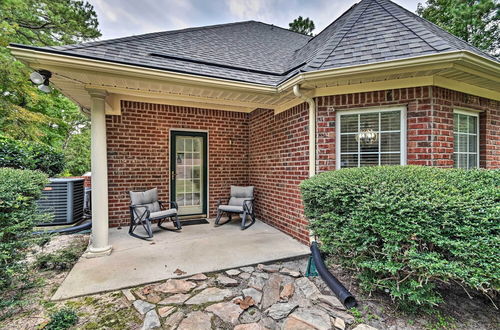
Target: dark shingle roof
x: 369, y: 32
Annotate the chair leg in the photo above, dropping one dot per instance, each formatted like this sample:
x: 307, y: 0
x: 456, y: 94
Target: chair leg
x: 219, y: 216
x: 243, y: 220
x: 177, y: 222
x: 147, y: 227
x: 243, y: 223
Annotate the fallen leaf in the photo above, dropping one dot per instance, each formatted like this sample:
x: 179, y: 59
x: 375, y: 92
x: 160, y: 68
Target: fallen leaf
x: 245, y: 303
x: 179, y: 272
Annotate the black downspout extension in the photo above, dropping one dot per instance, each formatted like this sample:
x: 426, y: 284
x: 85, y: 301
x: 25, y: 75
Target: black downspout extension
x: 67, y: 230
x: 345, y: 297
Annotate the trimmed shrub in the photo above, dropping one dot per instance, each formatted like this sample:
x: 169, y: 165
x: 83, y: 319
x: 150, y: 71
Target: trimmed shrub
x: 19, y: 190
x: 406, y: 228
x: 30, y: 156
x: 62, y: 319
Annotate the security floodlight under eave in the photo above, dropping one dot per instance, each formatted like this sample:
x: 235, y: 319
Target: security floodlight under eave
x: 37, y: 78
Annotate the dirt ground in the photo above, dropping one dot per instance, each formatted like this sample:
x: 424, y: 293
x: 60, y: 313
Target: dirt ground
x: 459, y: 311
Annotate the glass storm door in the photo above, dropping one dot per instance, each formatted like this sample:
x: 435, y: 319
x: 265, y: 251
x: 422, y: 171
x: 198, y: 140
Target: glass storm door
x: 188, y: 166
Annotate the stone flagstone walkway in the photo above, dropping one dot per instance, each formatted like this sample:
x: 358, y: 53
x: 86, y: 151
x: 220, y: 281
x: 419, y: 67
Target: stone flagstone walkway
x: 275, y: 296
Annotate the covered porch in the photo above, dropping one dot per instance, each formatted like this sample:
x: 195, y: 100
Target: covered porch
x: 196, y: 249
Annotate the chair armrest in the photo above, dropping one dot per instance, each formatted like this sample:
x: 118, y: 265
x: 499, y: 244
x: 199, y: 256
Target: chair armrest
x: 133, y: 209
x: 174, y: 204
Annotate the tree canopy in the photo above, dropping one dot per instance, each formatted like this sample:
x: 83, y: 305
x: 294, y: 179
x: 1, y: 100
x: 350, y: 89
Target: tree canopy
x: 302, y: 25
x: 25, y: 112
x: 474, y: 21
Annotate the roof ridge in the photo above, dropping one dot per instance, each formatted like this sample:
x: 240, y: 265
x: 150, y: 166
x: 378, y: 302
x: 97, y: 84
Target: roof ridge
x: 402, y: 23
x: 145, y: 36
x: 335, y: 34
x: 417, y: 18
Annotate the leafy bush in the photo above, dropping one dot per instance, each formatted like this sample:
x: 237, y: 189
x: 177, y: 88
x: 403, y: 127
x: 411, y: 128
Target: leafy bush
x: 19, y: 190
x: 62, y: 319
x: 30, y: 156
x: 406, y: 228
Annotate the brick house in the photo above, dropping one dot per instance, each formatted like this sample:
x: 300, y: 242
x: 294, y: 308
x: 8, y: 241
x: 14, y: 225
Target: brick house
x: 254, y: 104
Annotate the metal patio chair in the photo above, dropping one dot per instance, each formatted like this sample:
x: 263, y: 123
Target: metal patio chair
x: 240, y: 202
x: 145, y: 207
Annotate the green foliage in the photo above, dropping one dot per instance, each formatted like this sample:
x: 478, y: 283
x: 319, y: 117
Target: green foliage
x: 25, y: 112
x: 474, y: 21
x: 405, y: 228
x: 302, y: 25
x: 60, y: 260
x: 30, y: 156
x: 62, y: 319
x: 77, y: 153
x: 19, y: 190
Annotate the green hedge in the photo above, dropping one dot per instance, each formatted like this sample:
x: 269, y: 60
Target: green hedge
x: 406, y: 228
x: 30, y: 156
x: 19, y: 190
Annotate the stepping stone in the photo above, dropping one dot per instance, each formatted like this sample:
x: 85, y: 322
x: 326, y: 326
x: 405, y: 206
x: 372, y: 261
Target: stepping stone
x: 255, y: 294
x: 268, y: 268
x: 257, y: 283
x: 232, y: 272
x: 128, y: 294
x: 281, y: 310
x: 229, y: 312
x: 287, y: 291
x: 244, y: 276
x: 289, y: 272
x: 307, y: 287
x: 271, y: 291
x: 174, y: 320
x: 196, y: 320
x: 364, y: 327
x: 294, y: 324
x: 251, y: 315
x: 175, y: 286
x: 268, y: 323
x: 249, y: 326
x: 226, y: 281
x: 200, y: 287
x: 176, y: 299
x: 248, y: 269
x: 198, y: 277
x: 153, y: 298
x: 143, y: 307
x: 151, y: 320
x: 165, y: 311
x: 331, y: 301
x: 339, y: 323
x: 263, y: 275
x: 210, y: 295
x: 314, y: 318
x: 348, y: 318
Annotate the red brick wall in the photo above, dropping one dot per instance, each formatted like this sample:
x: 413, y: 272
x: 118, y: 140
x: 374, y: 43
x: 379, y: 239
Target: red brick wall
x: 278, y: 151
x: 429, y: 124
x: 138, y: 151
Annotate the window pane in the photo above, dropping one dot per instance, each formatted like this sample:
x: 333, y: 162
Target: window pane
x: 348, y: 143
x: 455, y: 159
x: 462, y: 160
x: 390, y: 141
x: 390, y: 159
x: 369, y: 159
x: 472, y: 124
x: 369, y: 121
x: 463, y: 123
x: 472, y: 143
x: 369, y: 147
x: 455, y: 122
x: 472, y: 161
x: 390, y: 121
x: 348, y: 123
x: 455, y: 142
x: 462, y: 143
x: 348, y: 161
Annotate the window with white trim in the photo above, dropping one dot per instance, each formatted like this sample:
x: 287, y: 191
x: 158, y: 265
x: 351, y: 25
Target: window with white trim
x: 371, y: 137
x: 466, y: 139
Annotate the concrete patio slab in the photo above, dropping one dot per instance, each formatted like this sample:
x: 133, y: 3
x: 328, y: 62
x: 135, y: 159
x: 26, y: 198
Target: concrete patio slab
x: 196, y: 249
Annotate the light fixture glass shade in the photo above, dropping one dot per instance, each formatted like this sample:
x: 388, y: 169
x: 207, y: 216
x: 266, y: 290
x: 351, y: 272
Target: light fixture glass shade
x: 45, y: 88
x: 37, y: 78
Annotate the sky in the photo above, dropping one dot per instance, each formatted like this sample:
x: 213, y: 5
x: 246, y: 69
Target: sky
x: 119, y: 18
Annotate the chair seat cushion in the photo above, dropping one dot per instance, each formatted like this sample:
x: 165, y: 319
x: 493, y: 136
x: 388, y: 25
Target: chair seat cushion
x: 231, y: 208
x: 163, y: 214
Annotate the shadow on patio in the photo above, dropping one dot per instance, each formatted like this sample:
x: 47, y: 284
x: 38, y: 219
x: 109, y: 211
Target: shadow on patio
x: 196, y: 249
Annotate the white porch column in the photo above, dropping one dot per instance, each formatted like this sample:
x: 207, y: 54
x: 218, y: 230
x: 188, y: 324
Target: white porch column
x: 99, y: 243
